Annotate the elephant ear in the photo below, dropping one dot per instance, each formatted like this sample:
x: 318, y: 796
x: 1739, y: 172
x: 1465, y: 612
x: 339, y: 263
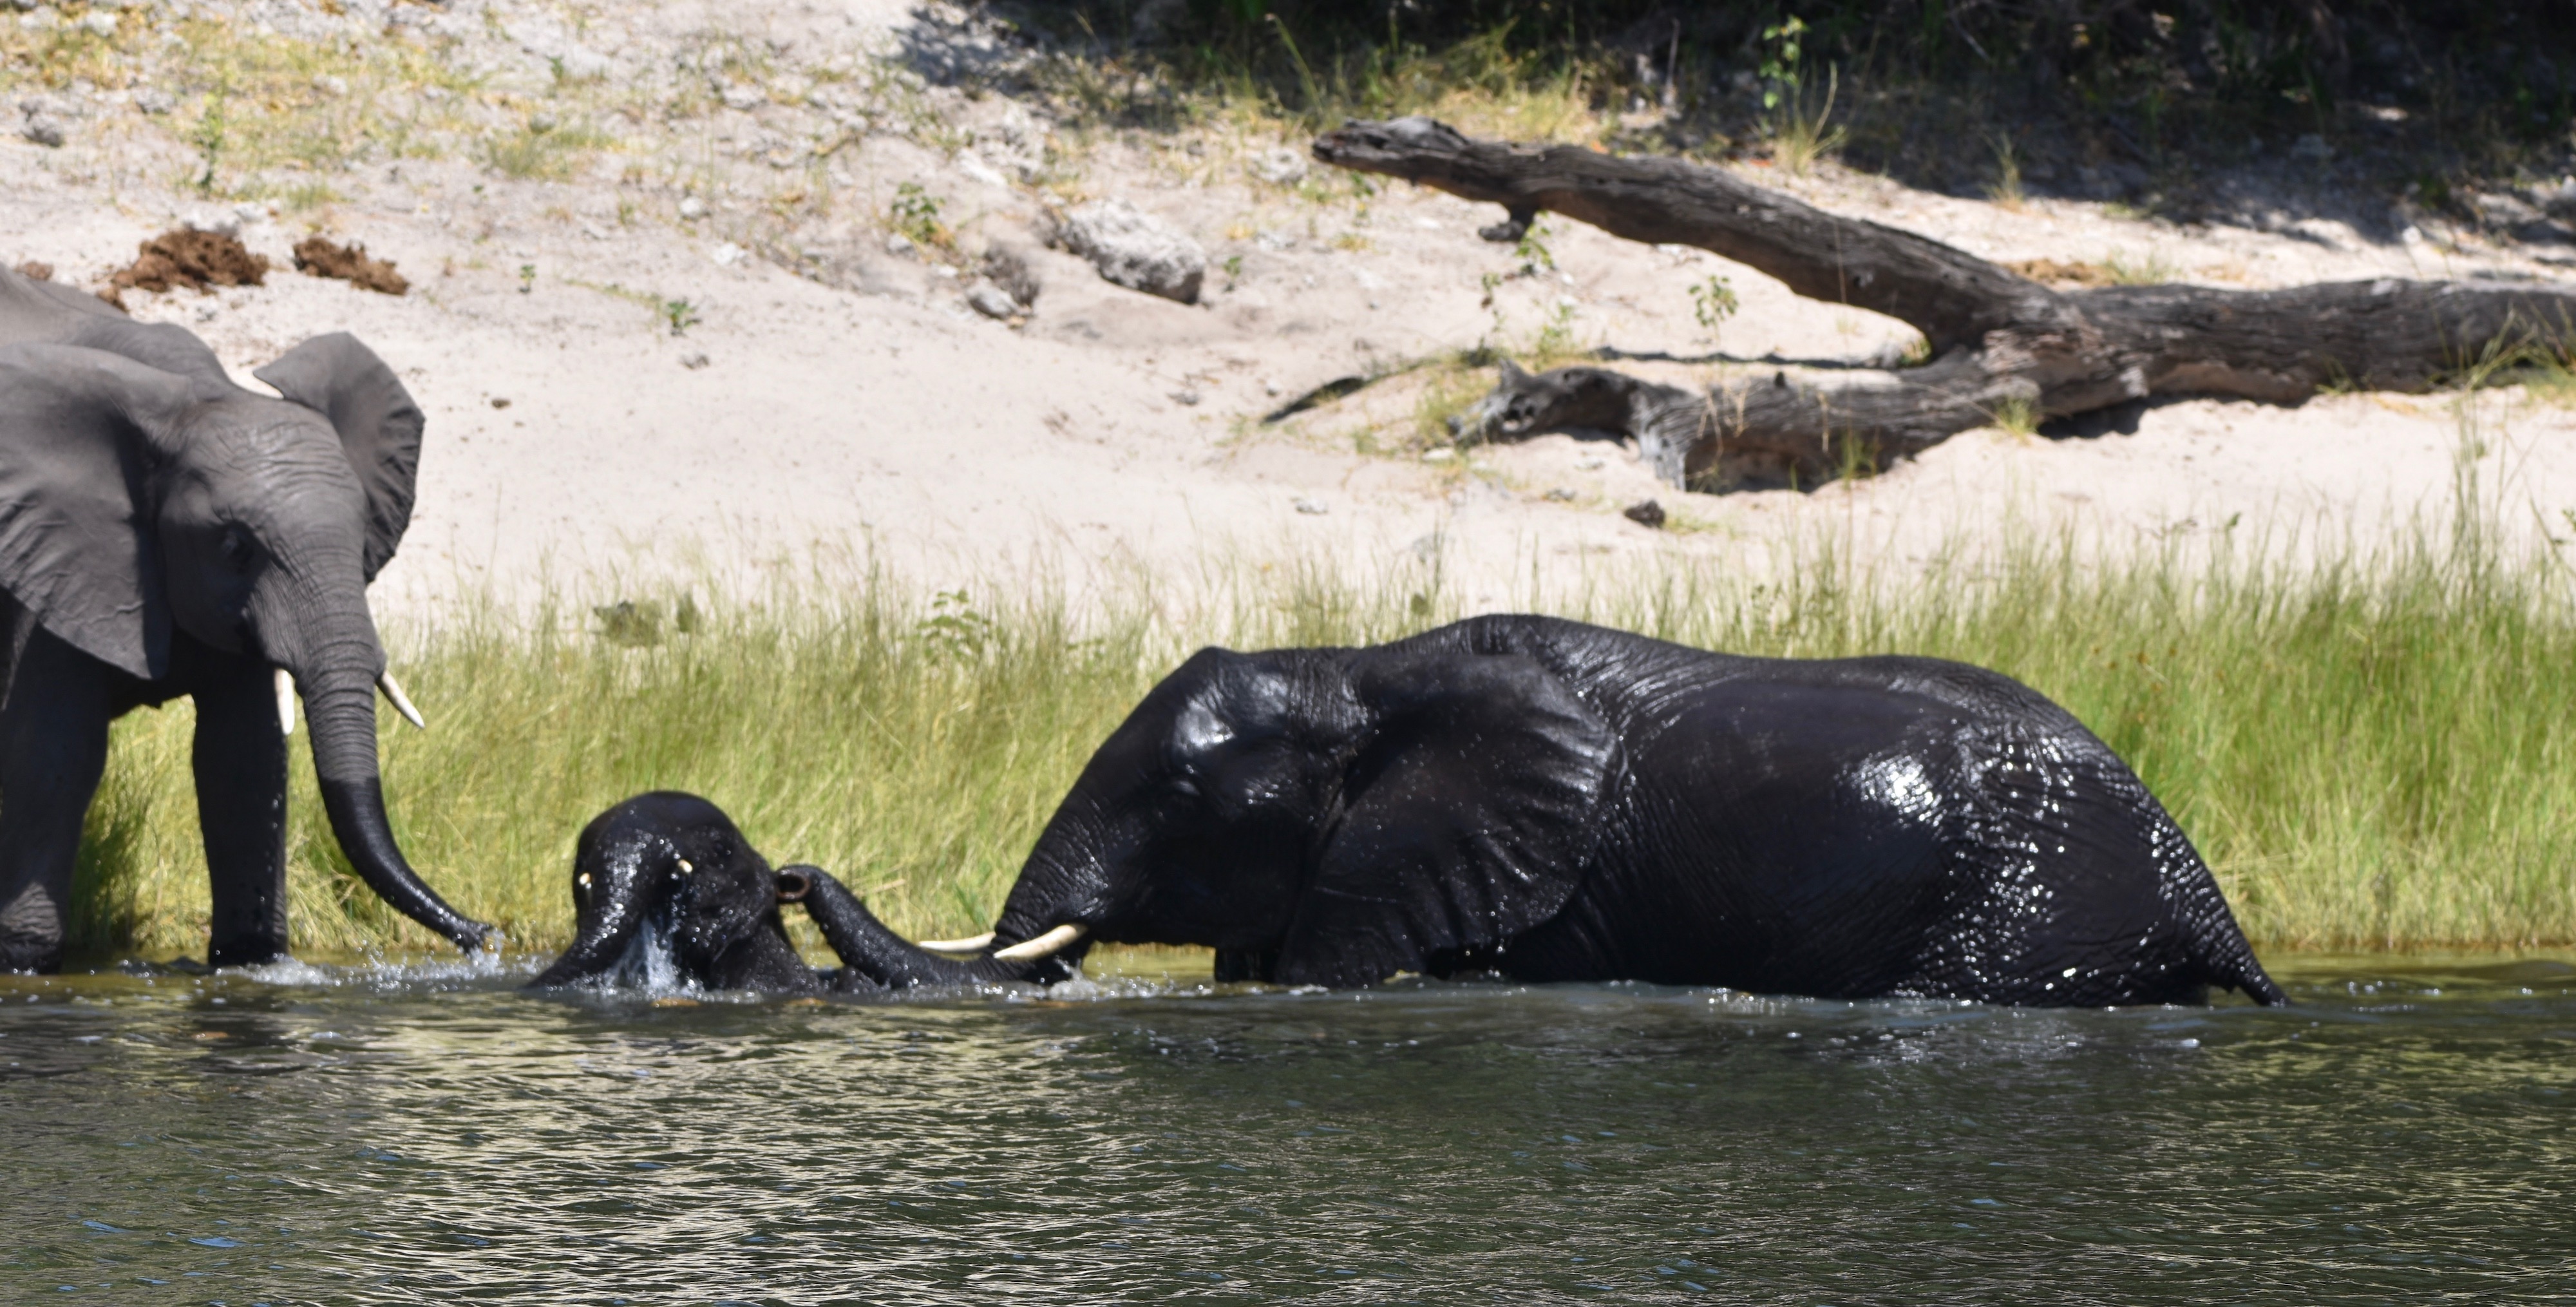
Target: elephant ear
x: 80, y: 431
x: 1468, y: 816
x: 379, y: 426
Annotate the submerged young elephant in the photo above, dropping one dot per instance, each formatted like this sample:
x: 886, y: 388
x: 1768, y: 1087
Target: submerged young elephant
x: 164, y: 532
x: 1553, y: 801
x: 666, y: 891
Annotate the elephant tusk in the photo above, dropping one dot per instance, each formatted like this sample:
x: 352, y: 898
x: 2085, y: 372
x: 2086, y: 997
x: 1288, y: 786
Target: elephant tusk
x: 285, y: 702
x: 402, y: 702
x: 1053, y: 942
x: 971, y: 944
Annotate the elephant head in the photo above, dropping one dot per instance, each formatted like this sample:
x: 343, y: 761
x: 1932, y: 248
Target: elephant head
x: 1323, y: 816
x: 144, y: 497
x: 666, y: 891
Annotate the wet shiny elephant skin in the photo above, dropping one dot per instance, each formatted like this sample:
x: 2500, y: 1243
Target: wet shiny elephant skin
x: 1550, y: 801
x: 165, y: 533
x: 668, y: 894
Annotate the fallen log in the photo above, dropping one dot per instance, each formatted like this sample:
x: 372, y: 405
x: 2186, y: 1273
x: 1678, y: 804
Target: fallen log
x: 2000, y: 342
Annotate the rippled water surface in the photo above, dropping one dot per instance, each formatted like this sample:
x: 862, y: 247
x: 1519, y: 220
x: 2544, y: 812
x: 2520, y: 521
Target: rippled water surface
x: 361, y: 1136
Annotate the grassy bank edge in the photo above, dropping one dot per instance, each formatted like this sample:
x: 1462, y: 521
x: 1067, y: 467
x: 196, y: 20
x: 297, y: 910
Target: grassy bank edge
x: 2371, y: 743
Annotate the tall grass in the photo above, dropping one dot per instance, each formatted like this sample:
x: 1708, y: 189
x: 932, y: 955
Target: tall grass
x: 2375, y: 748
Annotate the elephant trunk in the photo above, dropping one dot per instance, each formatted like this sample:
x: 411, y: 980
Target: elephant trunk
x: 1059, y: 902
x: 600, y: 946
x: 868, y: 948
x: 339, y: 689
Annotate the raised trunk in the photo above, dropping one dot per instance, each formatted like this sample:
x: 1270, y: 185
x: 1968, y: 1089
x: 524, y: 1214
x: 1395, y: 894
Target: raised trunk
x: 340, y: 702
x: 2000, y: 341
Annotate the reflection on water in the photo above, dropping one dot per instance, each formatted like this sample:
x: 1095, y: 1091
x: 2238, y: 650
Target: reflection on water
x: 369, y: 1136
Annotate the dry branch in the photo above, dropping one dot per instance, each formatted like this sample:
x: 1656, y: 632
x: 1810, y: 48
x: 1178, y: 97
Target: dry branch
x: 1997, y: 338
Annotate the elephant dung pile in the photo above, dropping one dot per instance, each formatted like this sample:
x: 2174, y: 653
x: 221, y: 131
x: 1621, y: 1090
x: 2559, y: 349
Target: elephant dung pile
x: 186, y: 256
x: 317, y: 256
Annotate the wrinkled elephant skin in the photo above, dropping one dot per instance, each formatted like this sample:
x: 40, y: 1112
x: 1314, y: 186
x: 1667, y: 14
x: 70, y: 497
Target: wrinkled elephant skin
x: 166, y: 533
x: 1546, y: 800
x: 667, y: 894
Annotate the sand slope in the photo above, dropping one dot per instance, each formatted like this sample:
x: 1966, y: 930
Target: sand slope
x: 834, y: 396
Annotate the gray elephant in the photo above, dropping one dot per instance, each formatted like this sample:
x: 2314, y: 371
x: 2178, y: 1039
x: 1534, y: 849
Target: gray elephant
x: 164, y: 532
x: 1547, y: 800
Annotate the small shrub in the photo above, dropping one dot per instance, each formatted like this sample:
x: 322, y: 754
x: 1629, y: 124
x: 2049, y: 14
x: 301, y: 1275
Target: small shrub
x: 1713, y: 302
x: 914, y: 215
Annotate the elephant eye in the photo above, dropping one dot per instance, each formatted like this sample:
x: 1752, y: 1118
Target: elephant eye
x: 236, y: 547
x: 1185, y: 786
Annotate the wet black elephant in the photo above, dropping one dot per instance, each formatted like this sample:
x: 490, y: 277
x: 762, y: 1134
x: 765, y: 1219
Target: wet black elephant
x: 667, y: 893
x: 166, y: 533
x: 1547, y: 800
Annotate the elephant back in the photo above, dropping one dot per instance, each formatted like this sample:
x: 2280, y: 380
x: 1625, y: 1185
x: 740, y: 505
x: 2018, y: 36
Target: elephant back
x: 42, y: 312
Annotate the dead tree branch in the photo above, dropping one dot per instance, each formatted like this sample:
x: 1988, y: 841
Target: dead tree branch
x: 1997, y: 338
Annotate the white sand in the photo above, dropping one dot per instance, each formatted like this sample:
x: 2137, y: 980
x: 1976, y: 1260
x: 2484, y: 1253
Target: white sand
x: 886, y: 417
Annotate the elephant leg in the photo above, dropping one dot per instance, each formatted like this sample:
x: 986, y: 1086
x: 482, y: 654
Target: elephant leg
x: 53, y: 748
x: 240, y: 759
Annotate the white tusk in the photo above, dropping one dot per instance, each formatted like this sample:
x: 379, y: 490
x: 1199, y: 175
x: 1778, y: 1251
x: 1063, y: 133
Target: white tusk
x: 974, y: 944
x: 402, y: 702
x: 1054, y: 941
x: 285, y: 702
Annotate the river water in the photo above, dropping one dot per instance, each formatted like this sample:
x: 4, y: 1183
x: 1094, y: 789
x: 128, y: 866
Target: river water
x: 426, y: 1134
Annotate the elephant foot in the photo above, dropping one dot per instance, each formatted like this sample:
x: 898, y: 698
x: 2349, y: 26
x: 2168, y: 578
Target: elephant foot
x: 248, y: 953
x: 31, y: 936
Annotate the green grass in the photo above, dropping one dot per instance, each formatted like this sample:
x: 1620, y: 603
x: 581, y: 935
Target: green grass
x: 2375, y: 749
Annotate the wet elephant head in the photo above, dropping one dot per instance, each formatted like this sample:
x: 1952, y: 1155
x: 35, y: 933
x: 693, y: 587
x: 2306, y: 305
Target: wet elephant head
x: 667, y: 892
x: 1321, y: 816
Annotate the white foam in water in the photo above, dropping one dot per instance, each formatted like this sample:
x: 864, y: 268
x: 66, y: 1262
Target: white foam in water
x: 380, y: 974
x: 647, y: 966
x: 289, y: 971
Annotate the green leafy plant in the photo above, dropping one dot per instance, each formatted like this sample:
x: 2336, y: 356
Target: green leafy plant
x: 1531, y: 249
x: 914, y: 215
x: 1783, y: 42
x: 681, y: 314
x: 1556, y: 341
x: 1713, y: 302
x: 1800, y: 135
x: 955, y: 630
